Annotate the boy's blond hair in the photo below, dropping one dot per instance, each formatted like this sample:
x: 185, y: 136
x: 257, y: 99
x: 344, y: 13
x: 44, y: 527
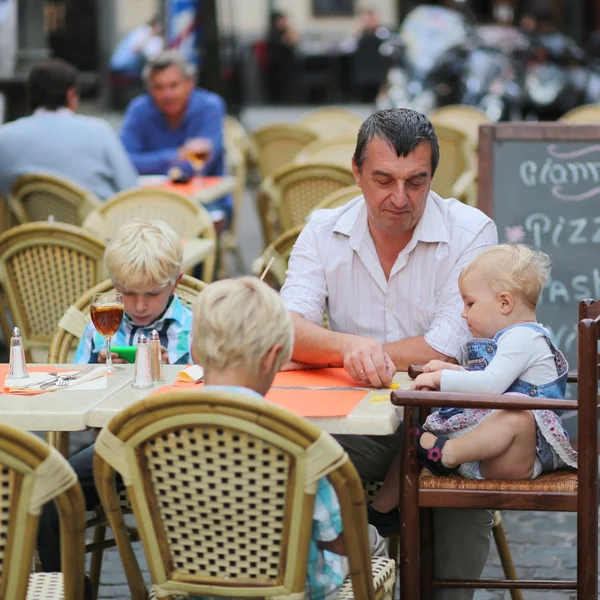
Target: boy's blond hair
x: 514, y: 268
x: 236, y: 322
x: 144, y: 253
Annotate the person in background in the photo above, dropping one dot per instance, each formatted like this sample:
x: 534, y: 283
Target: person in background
x: 281, y: 44
x: 139, y: 46
x: 161, y: 127
x: 57, y: 141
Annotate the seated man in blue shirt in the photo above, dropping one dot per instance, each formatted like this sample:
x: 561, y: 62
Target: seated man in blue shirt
x: 58, y: 141
x: 157, y: 125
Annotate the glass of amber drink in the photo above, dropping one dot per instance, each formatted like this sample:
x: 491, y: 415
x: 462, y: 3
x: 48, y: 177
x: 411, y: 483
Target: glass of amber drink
x: 198, y: 153
x: 107, y: 313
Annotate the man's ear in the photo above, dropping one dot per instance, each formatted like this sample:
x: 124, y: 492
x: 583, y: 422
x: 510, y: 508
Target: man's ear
x: 507, y: 303
x: 72, y: 99
x: 356, y: 173
x: 271, y: 360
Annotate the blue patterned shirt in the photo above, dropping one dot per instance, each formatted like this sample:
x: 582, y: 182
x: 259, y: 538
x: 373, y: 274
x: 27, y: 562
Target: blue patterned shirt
x: 173, y: 328
x: 325, y: 572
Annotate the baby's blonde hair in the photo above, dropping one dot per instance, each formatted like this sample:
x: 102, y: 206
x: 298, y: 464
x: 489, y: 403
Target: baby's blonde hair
x: 236, y: 322
x: 144, y: 253
x: 514, y: 268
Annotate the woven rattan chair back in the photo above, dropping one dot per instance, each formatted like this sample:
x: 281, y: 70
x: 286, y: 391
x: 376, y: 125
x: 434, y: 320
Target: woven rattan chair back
x: 222, y: 488
x: 279, y: 144
x: 337, y: 150
x: 39, y: 196
x: 457, y: 158
x: 465, y: 118
x: 236, y: 136
x: 293, y: 191
x: 587, y: 113
x: 339, y: 197
x: 279, y: 251
x: 32, y: 473
x: 332, y: 122
x: 182, y: 214
x: 44, y: 268
x: 73, y: 322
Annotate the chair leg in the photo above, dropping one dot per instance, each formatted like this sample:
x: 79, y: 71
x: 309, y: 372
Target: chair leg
x: 59, y: 440
x: 505, y: 555
x: 427, y: 540
x: 96, y: 560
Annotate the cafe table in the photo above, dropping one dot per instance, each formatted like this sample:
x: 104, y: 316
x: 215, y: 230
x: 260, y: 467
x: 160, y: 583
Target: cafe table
x: 368, y: 417
x: 203, y: 190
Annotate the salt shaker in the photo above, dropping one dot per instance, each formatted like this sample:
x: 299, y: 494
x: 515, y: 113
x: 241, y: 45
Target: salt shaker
x: 18, y: 366
x: 142, y: 377
x: 155, y: 358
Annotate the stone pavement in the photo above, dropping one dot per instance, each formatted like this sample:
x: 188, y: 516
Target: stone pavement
x: 542, y: 544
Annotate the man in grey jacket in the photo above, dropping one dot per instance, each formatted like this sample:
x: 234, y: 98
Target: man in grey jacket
x: 57, y: 141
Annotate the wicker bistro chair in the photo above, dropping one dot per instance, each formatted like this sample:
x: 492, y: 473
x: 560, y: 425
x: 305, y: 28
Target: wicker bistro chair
x: 222, y: 488
x: 279, y: 251
x: 339, y: 197
x: 39, y: 196
x: 332, y: 121
x: 74, y: 321
x: 287, y: 197
x: 338, y: 150
x: 45, y: 267
x: 186, y: 217
x: 279, y: 144
x: 31, y: 474
x: 587, y: 113
x: 456, y: 175
x: 237, y: 137
x: 463, y: 117
x: 568, y: 490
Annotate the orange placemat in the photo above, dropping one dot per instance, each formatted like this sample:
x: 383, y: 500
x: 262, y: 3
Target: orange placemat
x: 328, y: 378
x: 192, y: 186
x: 317, y: 403
x: 306, y: 403
x: 4, y: 368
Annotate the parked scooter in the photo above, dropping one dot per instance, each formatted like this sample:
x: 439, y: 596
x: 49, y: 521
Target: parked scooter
x: 428, y: 55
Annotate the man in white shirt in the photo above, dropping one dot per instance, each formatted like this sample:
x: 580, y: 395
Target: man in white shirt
x: 385, y: 267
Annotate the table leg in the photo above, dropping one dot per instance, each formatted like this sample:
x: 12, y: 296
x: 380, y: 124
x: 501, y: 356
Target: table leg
x: 60, y: 441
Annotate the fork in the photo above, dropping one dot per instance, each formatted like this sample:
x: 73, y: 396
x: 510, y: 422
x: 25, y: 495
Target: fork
x: 63, y: 380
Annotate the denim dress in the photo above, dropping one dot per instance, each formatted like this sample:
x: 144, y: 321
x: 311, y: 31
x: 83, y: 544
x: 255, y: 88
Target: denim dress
x: 553, y: 450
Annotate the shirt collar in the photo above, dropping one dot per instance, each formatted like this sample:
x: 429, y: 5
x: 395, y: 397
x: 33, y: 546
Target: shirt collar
x: 63, y: 110
x: 175, y: 312
x: 430, y: 228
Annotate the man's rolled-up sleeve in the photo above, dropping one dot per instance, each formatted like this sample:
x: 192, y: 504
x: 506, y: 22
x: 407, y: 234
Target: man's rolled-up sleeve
x: 448, y: 331
x: 305, y: 288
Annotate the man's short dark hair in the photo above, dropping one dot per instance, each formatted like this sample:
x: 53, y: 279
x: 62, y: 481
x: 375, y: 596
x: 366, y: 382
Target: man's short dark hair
x: 49, y: 82
x: 403, y: 129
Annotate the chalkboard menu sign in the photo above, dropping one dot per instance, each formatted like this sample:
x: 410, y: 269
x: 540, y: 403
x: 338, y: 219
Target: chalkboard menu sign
x: 540, y: 182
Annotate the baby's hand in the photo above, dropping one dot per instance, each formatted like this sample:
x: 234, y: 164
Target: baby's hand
x: 115, y: 357
x: 428, y: 380
x: 439, y: 365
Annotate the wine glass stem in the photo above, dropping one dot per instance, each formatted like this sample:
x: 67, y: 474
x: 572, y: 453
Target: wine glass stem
x: 109, y: 363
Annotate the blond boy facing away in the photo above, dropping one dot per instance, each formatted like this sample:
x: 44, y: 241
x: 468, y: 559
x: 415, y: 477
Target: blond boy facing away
x: 144, y: 262
x: 241, y: 335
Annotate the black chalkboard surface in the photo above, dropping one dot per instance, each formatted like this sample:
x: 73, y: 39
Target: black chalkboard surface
x: 540, y: 182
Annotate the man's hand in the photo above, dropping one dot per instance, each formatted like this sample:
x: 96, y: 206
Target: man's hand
x: 429, y: 381
x: 365, y: 360
x: 439, y: 365
x: 115, y: 358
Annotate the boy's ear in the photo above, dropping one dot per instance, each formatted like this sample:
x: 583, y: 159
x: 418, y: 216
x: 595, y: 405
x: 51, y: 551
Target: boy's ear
x: 178, y: 280
x: 270, y: 361
x: 507, y: 303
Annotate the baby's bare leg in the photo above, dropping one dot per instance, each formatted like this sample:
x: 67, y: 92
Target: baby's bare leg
x: 505, y: 443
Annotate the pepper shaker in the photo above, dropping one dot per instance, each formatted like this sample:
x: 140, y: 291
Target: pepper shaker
x: 142, y: 377
x: 18, y: 365
x: 155, y: 358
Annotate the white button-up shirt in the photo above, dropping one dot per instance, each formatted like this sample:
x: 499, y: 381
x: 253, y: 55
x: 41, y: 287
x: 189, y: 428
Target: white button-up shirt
x: 334, y: 267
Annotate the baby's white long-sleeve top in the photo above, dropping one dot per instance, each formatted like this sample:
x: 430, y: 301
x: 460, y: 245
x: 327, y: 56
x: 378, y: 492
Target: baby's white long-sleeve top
x: 523, y: 353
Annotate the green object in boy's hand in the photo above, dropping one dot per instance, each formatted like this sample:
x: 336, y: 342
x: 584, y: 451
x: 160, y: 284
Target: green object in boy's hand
x: 125, y: 352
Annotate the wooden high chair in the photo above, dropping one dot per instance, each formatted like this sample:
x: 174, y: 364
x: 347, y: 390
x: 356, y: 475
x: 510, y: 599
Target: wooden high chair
x: 565, y: 490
